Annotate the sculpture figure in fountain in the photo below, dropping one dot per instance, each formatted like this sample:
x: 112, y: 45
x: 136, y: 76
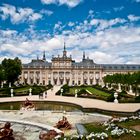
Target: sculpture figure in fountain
x: 28, y: 105
x: 6, y: 133
x: 63, y: 124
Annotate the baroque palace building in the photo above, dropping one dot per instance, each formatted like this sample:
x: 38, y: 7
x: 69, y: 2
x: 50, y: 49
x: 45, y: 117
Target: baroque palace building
x: 64, y: 70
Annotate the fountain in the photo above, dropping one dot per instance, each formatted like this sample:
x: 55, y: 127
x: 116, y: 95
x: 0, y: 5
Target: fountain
x: 28, y: 105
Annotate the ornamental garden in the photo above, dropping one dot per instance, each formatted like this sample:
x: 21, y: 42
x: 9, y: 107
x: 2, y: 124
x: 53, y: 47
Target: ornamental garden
x: 123, y: 88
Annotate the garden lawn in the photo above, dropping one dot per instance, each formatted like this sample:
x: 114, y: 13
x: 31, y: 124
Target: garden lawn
x: 97, y: 92
x: 92, y: 91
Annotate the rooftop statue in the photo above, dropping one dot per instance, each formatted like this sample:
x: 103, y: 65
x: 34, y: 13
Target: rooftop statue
x: 6, y: 133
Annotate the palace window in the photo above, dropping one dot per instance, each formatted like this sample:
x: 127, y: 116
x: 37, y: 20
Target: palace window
x: 79, y: 82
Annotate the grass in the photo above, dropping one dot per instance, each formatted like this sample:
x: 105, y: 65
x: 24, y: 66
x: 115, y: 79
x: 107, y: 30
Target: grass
x: 94, y: 127
x: 97, y: 92
x: 93, y: 93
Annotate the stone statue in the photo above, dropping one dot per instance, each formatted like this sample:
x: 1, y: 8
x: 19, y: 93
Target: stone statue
x: 28, y: 105
x: 6, y: 133
x: 51, y: 134
x: 63, y: 124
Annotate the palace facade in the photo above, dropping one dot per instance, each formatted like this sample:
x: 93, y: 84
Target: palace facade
x: 64, y: 70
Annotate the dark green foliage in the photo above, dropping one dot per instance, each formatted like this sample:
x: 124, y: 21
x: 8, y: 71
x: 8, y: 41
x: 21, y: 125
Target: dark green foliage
x: 104, y: 89
x: 137, y: 99
x: 110, y: 98
x: 66, y: 88
x: 38, y: 89
x: 5, y: 92
x: 12, y: 69
x: 123, y: 94
x: 20, y: 91
x: 50, y: 86
x: 2, y: 74
x: 125, y: 80
x: 83, y: 86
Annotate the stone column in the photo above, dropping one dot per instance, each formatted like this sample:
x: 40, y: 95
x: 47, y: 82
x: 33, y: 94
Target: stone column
x: 88, y: 78
x: 52, y: 78
x: 94, y: 81
x: 34, y: 77
x: 70, y: 82
x: 28, y: 78
x: 64, y: 78
x: 40, y: 81
x: 82, y: 78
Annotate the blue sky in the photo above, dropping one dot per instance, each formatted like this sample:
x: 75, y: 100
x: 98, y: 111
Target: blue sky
x: 107, y: 30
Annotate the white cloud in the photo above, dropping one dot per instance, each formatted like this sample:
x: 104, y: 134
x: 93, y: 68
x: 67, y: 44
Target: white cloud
x: 8, y: 32
x: 102, y: 24
x: 69, y: 3
x: 116, y: 9
x: 18, y: 15
x: 106, y: 44
x: 137, y: 0
x: 71, y: 24
x: 133, y: 18
x: 48, y: 1
x: 46, y: 12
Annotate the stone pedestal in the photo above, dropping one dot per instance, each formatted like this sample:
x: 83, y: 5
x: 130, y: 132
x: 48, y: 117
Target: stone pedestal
x: 130, y: 90
x: 61, y: 92
x: 30, y: 92
x: 44, y: 95
x: 115, y: 96
x: 12, y: 92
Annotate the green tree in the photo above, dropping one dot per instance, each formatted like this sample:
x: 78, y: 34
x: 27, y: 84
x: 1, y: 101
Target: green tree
x: 2, y: 74
x: 12, y: 69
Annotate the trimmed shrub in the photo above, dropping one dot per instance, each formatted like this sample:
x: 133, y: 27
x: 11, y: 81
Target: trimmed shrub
x: 137, y: 99
x: 49, y: 86
x: 66, y: 89
x: 110, y: 98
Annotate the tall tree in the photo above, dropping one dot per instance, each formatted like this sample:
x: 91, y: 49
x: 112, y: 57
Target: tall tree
x: 12, y: 68
x: 2, y: 74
